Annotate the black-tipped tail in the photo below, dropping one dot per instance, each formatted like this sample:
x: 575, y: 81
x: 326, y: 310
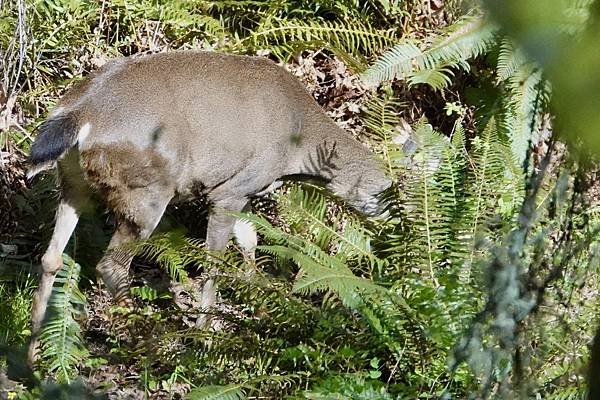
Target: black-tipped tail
x: 55, y: 136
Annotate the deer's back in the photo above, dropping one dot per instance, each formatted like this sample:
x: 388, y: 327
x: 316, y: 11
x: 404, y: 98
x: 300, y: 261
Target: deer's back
x: 210, y: 116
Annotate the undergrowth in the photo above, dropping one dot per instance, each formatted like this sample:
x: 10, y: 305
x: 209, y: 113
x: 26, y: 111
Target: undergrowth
x: 480, y: 282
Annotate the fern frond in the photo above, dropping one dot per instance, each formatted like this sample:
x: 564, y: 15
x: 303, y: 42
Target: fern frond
x: 423, y: 194
x: 451, y: 177
x: 460, y: 42
x: 527, y: 94
x: 319, y: 271
x: 61, y: 339
x: 466, y: 39
x: 438, y: 77
x: 381, y: 119
x: 353, y: 37
x: 211, y: 26
x: 335, y: 277
x: 217, y: 392
x: 397, y: 63
x: 510, y: 59
x: 171, y: 251
x: 325, y: 273
x: 487, y: 176
x: 513, y: 186
x: 305, y: 209
x: 237, y: 391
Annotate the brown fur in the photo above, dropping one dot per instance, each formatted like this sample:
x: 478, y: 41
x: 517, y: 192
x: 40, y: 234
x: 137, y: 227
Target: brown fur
x: 118, y: 172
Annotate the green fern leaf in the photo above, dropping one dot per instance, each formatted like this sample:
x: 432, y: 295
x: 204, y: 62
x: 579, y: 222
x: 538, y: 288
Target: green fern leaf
x: 381, y: 119
x: 396, y: 63
x: 334, y: 277
x: 352, y: 37
x: 438, y: 78
x: 216, y: 392
x: 488, y: 174
x: 309, y: 247
x: 236, y: 391
x: 423, y: 193
x: 460, y: 42
x: 527, y: 94
x: 60, y: 337
x: 306, y: 211
x: 510, y: 59
x: 171, y: 251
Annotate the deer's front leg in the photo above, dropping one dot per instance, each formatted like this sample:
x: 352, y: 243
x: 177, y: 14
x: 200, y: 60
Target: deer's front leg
x: 220, y: 227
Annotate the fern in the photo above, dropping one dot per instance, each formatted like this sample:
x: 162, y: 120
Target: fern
x: 526, y: 93
x: 448, y: 195
x: 330, y: 275
x: 438, y: 77
x: 237, y: 391
x: 351, y: 40
x: 171, y: 252
x: 452, y: 177
x: 319, y: 271
x: 433, y: 65
x: 322, y: 252
x: 62, y: 343
x: 423, y: 193
x: 306, y: 210
x: 216, y: 392
x: 381, y: 119
x: 510, y: 59
x: 429, y: 183
x: 489, y: 167
x: 527, y: 96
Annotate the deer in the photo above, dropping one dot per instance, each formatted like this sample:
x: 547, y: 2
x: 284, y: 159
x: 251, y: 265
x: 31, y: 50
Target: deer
x: 142, y: 132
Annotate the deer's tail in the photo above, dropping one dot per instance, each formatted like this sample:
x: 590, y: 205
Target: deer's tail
x: 55, y: 136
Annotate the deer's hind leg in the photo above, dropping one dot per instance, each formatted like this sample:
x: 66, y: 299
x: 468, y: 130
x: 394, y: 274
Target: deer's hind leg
x: 136, y: 184
x: 135, y: 223
x: 74, y: 200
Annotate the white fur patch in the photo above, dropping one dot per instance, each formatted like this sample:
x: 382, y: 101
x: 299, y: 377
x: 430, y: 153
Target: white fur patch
x: 245, y: 235
x: 84, y: 132
x: 33, y: 171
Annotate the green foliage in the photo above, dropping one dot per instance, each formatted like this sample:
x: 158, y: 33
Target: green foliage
x: 14, y: 310
x: 62, y: 345
x: 348, y: 387
x: 526, y: 94
x: 350, y: 40
x: 520, y: 271
x: 459, y: 201
x: 312, y: 235
x: 235, y: 391
x: 148, y: 293
x: 469, y: 254
x: 460, y: 42
x: 173, y: 252
x: 449, y: 194
x: 228, y: 392
x: 381, y: 119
